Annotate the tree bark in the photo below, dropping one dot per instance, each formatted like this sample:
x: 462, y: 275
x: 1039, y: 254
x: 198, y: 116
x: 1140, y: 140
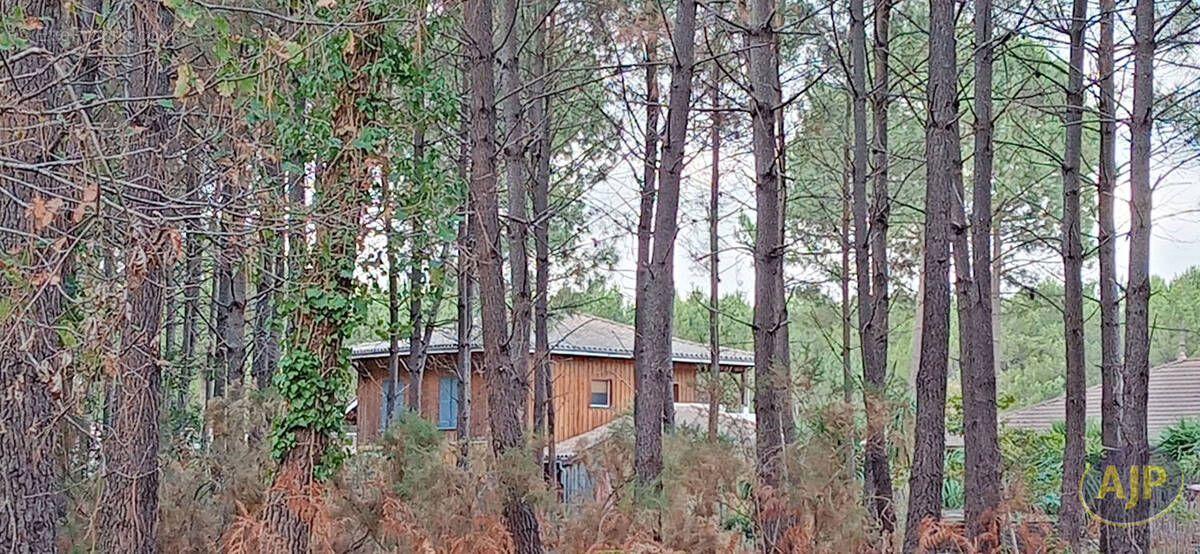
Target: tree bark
x: 914, y: 357
x: 877, y: 409
x: 191, y: 316
x: 233, y: 284
x: 982, y: 449
x: 714, y: 263
x: 847, y: 245
x: 220, y: 299
x: 871, y: 266
x: 393, y: 296
x: 417, y: 338
x: 1070, y: 517
x: 942, y: 164
x: 648, y: 438
x: 130, y: 499
x: 169, y: 322
x: 1137, y: 297
x: 540, y: 115
x: 660, y: 319
x: 464, y: 266
x: 316, y: 357
x: 506, y: 387
x: 266, y: 291
x: 772, y: 405
x: 462, y: 362
x: 1110, y: 309
x: 997, y: 278
x: 517, y: 180
x: 31, y: 357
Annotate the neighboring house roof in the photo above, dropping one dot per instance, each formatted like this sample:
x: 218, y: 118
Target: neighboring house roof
x: 575, y: 334
x: 1174, y: 396
x: 736, y: 426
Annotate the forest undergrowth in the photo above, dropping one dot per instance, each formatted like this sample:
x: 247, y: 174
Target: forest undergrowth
x: 406, y: 493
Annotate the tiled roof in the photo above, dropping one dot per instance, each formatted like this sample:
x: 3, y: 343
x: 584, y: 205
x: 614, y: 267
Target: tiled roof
x: 1174, y: 396
x: 575, y: 334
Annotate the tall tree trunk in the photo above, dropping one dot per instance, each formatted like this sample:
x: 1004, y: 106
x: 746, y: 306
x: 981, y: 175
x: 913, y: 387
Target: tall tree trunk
x: 506, y: 388
x: 540, y: 115
x: 1137, y: 297
x: 235, y: 327
x: 516, y: 179
x: 871, y: 310
x: 266, y: 290
x: 877, y: 409
x: 771, y: 402
x: 914, y: 357
x: 653, y: 405
x: 170, y: 326
x: 982, y: 449
x: 31, y: 505
x: 1070, y: 518
x: 417, y: 342
x: 393, y: 297
x: 415, y: 361
x: 191, y: 316
x: 997, y: 277
x: 943, y: 163
x: 221, y: 299
x: 847, y: 245
x: 465, y: 281
x: 714, y: 263
x: 648, y: 439
x: 462, y: 362
x: 1110, y: 310
x: 316, y: 360
x: 266, y: 336
x: 130, y: 500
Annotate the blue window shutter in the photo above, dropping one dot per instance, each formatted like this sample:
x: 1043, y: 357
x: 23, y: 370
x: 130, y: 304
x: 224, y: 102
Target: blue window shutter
x: 447, y: 403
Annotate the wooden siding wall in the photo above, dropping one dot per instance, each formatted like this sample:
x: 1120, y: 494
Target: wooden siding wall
x: 572, y: 390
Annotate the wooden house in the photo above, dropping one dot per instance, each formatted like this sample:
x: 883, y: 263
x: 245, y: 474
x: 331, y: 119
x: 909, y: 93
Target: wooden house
x: 592, y: 365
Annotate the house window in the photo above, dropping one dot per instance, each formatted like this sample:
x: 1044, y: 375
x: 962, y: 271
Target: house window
x: 397, y: 405
x: 447, y: 403
x: 601, y: 394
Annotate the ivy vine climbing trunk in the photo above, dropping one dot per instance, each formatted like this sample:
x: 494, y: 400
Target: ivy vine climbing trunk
x: 314, y: 374
x: 507, y: 389
x: 130, y: 500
